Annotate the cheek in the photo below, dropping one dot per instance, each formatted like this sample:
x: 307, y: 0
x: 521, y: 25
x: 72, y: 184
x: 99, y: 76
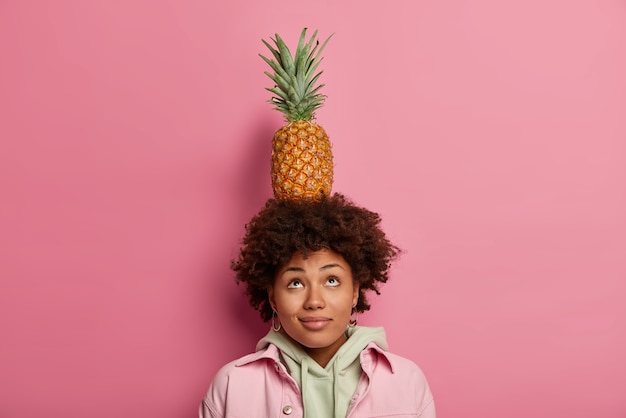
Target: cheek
x: 345, y: 303
x: 285, y: 303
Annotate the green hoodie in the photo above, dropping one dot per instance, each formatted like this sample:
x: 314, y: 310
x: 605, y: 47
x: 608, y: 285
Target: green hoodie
x: 326, y: 391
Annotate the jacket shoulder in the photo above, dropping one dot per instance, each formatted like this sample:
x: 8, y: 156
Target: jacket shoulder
x: 241, y: 368
x: 234, y: 382
x: 399, y: 381
x: 401, y: 364
x: 214, y: 402
x: 404, y: 369
x: 394, y: 362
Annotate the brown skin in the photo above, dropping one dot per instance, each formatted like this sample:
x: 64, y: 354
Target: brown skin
x: 313, y: 297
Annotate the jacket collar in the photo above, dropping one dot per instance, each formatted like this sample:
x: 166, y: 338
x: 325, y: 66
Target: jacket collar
x: 371, y: 353
x: 368, y: 357
x: 270, y: 352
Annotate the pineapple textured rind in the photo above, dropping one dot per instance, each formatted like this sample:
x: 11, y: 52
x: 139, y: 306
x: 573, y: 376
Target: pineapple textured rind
x: 302, y: 162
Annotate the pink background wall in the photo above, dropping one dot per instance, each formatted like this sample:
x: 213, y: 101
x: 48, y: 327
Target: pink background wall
x: 134, y: 146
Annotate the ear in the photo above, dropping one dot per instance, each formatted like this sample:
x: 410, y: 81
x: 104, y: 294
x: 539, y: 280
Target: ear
x: 270, y: 297
x: 355, y: 296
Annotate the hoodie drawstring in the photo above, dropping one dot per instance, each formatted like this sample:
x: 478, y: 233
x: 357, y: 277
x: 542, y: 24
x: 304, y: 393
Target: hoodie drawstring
x: 304, y: 374
x: 336, y: 388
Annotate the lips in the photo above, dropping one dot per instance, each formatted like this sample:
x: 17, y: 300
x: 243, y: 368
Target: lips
x: 315, y: 323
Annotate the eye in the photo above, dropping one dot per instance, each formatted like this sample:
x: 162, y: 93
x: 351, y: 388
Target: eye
x: 332, y: 281
x: 294, y: 284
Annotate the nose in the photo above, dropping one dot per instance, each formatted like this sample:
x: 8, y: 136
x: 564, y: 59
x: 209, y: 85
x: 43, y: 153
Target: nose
x: 314, y: 299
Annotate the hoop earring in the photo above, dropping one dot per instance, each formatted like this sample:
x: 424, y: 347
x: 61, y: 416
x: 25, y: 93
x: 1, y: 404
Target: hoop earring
x: 354, y: 321
x: 275, y: 327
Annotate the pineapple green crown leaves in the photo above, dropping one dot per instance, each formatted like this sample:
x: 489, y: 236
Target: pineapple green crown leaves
x: 296, y: 94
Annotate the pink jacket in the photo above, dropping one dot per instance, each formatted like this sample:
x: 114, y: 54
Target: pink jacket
x: 259, y: 386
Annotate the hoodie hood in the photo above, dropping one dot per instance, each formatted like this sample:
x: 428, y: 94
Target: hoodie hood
x: 326, y: 391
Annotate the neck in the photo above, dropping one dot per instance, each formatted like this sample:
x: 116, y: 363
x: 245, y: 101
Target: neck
x: 323, y: 355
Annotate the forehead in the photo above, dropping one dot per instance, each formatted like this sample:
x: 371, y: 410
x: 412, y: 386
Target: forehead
x: 316, y: 256
x: 315, y: 261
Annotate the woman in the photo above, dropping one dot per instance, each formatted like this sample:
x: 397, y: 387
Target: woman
x: 307, y: 267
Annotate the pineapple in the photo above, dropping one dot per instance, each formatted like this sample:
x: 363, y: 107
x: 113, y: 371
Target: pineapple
x: 302, y: 161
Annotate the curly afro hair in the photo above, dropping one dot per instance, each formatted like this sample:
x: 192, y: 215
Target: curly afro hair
x: 284, y: 227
